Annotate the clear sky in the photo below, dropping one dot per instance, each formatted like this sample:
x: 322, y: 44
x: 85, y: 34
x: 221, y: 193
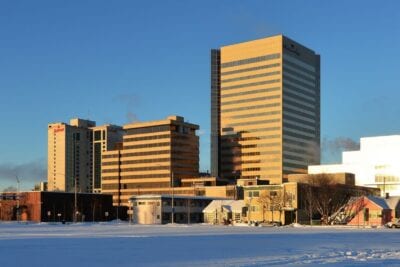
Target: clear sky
x: 118, y: 61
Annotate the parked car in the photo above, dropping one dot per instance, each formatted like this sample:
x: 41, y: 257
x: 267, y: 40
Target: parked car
x: 394, y: 224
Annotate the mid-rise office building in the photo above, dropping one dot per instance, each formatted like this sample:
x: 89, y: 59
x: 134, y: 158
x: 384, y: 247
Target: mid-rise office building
x: 104, y: 138
x: 265, y: 109
x: 153, y: 156
x: 74, y: 154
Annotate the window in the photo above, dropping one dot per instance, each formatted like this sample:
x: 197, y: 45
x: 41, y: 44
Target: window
x: 253, y: 194
x: 97, y: 135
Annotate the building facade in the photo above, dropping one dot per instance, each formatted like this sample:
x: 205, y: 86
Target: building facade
x: 157, y: 209
x: 104, y: 138
x: 74, y: 154
x: 265, y: 109
x: 224, y: 212
x: 39, y: 206
x: 154, y: 155
x: 68, y: 156
x: 376, y: 164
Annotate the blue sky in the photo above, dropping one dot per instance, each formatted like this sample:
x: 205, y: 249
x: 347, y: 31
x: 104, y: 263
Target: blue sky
x: 113, y: 61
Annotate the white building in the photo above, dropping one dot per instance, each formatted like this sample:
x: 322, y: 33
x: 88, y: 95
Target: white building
x: 224, y: 211
x: 158, y: 209
x: 376, y: 164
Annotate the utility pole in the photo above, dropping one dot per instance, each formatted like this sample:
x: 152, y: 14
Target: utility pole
x: 75, y: 201
x: 75, y: 177
x: 18, y: 213
x: 173, y: 207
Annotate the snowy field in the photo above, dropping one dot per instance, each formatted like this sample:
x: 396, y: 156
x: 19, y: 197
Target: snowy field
x: 112, y: 244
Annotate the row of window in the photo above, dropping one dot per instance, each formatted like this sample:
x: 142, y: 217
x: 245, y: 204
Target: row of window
x: 148, y: 145
x: 154, y: 160
x: 264, y: 98
x: 294, y: 103
x: 287, y: 140
x: 251, y: 69
x: 299, y: 80
x: 144, y: 138
x: 304, y: 88
x: 298, y: 62
x: 294, y: 126
x: 228, y: 153
x: 272, y: 73
x: 150, y: 129
x: 136, y: 176
x: 295, y: 89
x: 154, y: 168
x: 294, y: 72
x: 386, y: 178
x: 300, y: 102
x: 229, y: 164
x: 250, y: 60
x: 277, y: 104
x: 301, y: 96
x: 268, y: 113
x: 149, y: 153
x: 226, y: 146
x: 292, y: 133
x: 298, y: 113
x: 294, y: 165
x: 230, y: 131
x: 252, y: 138
x: 250, y: 92
x: 298, y: 67
x: 250, y: 84
x: 253, y: 122
x: 303, y: 122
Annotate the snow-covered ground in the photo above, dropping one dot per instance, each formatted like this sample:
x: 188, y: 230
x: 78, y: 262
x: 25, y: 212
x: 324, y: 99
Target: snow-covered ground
x: 112, y: 244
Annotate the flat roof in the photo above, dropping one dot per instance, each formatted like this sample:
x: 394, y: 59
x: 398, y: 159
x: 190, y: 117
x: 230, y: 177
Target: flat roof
x: 151, y: 196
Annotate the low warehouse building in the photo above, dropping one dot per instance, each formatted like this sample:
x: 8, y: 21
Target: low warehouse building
x: 41, y: 206
x: 158, y: 209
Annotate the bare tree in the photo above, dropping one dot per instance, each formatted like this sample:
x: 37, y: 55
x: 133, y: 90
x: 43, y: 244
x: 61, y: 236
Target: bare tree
x: 264, y: 200
x: 271, y: 200
x: 325, y: 196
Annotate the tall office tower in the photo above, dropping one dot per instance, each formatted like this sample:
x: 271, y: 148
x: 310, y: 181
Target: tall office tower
x: 74, y: 154
x: 265, y: 109
x: 104, y: 138
x: 153, y: 154
x: 68, y: 156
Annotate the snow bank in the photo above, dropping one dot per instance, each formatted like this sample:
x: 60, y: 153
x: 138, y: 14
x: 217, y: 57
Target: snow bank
x: 121, y: 244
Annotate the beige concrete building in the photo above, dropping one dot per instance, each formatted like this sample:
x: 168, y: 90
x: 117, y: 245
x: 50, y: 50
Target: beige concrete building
x: 273, y: 203
x: 341, y: 178
x: 154, y: 155
x: 74, y: 154
x: 265, y: 109
x: 289, y: 202
x: 68, y: 160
